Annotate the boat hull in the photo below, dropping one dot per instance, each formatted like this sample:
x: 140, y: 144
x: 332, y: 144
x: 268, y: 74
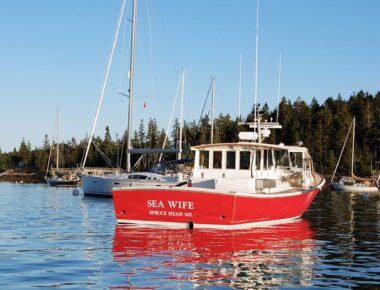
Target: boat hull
x: 192, y: 207
x: 62, y: 183
x: 101, y: 186
x: 353, y: 188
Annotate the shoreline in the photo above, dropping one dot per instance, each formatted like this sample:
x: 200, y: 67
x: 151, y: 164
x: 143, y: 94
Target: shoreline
x: 22, y: 177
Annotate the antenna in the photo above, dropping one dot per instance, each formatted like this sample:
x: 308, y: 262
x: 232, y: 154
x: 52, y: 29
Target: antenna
x: 240, y: 89
x: 278, y: 91
x: 212, y: 108
x: 257, y: 57
x: 181, y: 121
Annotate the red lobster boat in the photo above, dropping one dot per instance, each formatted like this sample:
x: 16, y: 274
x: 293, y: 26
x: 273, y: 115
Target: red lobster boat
x: 234, y: 185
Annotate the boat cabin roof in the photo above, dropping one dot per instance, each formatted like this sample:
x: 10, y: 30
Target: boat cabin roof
x: 248, y: 146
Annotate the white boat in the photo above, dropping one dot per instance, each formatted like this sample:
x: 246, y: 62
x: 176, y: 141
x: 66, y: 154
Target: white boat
x: 354, y: 183
x: 349, y: 184
x: 162, y: 174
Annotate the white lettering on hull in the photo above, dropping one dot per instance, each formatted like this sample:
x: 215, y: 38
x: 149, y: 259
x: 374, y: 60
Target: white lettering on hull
x: 158, y: 208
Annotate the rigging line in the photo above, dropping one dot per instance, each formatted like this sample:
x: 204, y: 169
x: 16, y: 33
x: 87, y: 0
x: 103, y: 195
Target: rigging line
x: 106, y: 159
x: 171, y: 114
x: 167, y: 42
x: 204, y: 105
x: 341, y: 152
x: 105, y: 79
x: 123, y: 85
x: 48, y: 164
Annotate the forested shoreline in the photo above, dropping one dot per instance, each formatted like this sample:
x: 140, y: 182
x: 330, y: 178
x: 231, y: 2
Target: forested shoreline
x: 321, y: 127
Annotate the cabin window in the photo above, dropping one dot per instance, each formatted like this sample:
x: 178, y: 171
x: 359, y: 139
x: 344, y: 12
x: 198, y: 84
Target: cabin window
x: 137, y: 176
x: 217, y: 162
x: 282, y: 158
x: 296, y: 159
x: 244, y: 159
x: 203, y: 160
x: 268, y: 159
x: 231, y: 157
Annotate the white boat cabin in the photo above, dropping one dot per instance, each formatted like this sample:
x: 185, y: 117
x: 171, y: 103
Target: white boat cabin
x: 248, y: 167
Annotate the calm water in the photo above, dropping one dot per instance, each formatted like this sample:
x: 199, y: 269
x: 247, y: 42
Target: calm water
x: 50, y: 238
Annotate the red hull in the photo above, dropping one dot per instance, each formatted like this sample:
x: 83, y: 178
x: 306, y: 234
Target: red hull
x: 205, y: 244
x: 207, y: 208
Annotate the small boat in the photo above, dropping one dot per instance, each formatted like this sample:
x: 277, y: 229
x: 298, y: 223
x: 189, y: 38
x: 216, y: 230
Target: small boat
x: 64, y: 181
x: 354, y: 183
x: 234, y: 185
x: 60, y: 177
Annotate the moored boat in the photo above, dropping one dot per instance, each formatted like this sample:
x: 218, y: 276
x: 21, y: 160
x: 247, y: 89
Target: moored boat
x: 64, y: 181
x: 354, y: 183
x: 60, y: 177
x: 234, y: 185
x: 163, y: 173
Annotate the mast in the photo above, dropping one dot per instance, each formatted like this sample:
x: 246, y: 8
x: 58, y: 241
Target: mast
x: 353, y: 148
x: 257, y: 58
x: 181, y: 117
x: 278, y: 90
x: 180, y: 85
x: 212, y: 108
x: 240, y: 89
x: 131, y: 79
x: 57, y: 163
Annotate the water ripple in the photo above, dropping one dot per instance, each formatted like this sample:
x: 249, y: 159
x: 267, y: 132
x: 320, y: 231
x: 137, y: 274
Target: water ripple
x: 52, y: 239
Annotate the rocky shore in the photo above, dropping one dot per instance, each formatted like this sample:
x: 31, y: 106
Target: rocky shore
x: 22, y: 177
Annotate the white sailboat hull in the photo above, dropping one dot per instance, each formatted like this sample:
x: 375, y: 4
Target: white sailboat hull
x: 95, y: 185
x: 357, y: 187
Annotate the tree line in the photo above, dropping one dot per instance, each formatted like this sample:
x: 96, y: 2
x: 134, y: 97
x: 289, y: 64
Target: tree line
x: 321, y: 127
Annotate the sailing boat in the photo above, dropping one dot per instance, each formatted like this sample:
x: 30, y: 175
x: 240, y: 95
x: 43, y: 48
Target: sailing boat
x: 163, y: 173
x: 60, y: 177
x: 354, y: 183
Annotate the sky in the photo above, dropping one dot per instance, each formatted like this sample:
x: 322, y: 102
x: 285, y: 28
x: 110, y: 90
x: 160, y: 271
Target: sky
x: 53, y: 55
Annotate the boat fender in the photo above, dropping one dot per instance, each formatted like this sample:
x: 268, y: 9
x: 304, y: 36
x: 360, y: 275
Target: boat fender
x: 76, y: 192
x: 295, y: 179
x: 190, y: 183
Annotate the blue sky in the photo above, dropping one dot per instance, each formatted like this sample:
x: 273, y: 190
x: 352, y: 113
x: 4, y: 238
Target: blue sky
x: 54, y: 53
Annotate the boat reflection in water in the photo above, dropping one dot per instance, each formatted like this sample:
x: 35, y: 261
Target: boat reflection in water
x: 258, y: 257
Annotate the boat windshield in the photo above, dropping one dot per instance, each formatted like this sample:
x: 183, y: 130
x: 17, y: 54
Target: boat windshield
x: 296, y: 159
x: 282, y: 158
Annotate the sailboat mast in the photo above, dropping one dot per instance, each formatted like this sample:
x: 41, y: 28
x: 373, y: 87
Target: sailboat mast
x: 212, y: 109
x: 239, y: 115
x: 181, y: 121
x: 131, y: 79
x: 257, y: 59
x: 353, y: 147
x: 57, y: 163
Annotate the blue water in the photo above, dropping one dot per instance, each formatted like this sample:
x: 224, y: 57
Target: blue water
x: 50, y: 238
